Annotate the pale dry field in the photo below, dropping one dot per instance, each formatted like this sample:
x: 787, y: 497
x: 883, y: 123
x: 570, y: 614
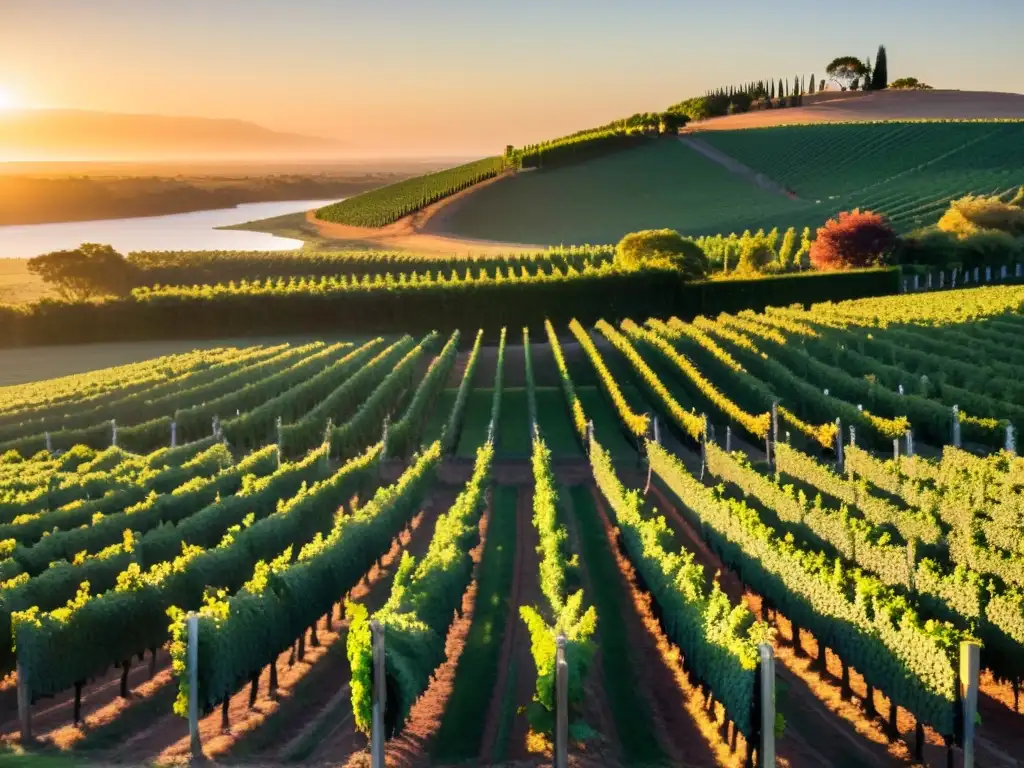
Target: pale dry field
x: 884, y: 105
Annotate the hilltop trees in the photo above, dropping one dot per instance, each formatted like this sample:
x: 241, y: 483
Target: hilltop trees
x: 846, y: 70
x: 908, y: 84
x: 880, y: 78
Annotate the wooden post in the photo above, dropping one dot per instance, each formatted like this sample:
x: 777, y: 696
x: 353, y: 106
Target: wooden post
x: 970, y: 671
x: 113, y: 433
x: 561, y: 706
x: 193, y: 686
x: 24, y: 703
x: 728, y: 439
x: 379, y: 696
x: 917, y: 283
x: 910, y: 443
x: 1011, y: 443
x: 775, y: 421
x: 1002, y: 272
x: 174, y: 434
x: 956, y: 426
x: 280, y: 440
x: 766, y: 747
x: 929, y: 281
x: 895, y: 449
x: 1017, y: 269
x: 839, y: 446
x: 942, y: 278
x: 49, y: 443
x: 977, y: 274
x: 988, y: 274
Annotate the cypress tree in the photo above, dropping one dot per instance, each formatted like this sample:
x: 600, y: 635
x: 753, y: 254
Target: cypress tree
x: 782, y: 88
x: 812, y: 84
x: 867, y: 77
x: 880, y: 79
x: 797, y: 90
x: 773, y: 89
x: 787, y: 251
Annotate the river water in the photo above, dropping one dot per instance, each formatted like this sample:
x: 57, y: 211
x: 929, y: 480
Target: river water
x: 195, y: 231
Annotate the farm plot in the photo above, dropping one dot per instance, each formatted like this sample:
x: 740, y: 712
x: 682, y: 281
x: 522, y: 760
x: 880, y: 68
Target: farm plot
x: 478, y: 503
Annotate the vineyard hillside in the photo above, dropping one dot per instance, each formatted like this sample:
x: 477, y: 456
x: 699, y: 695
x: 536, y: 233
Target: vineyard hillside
x: 731, y: 181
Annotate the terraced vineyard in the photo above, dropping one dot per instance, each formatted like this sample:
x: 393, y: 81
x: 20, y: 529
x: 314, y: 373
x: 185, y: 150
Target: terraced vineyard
x: 907, y: 171
x: 841, y: 483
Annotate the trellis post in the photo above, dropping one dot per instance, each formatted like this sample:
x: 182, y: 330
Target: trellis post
x: 853, y: 435
x: 379, y: 696
x: 113, y: 432
x: 952, y: 278
x: 766, y: 746
x: 988, y: 274
x: 561, y: 706
x: 1017, y: 269
x: 917, y: 283
x: 839, y: 444
x: 942, y: 278
x: 215, y: 425
x: 970, y: 672
x: 1011, y: 441
x: 24, y: 703
x: 196, y: 746
x: 929, y: 281
x: 280, y: 440
x: 910, y: 442
x: 728, y: 439
x: 956, y: 426
x: 174, y: 434
x: 1002, y: 272
x: 590, y: 434
x: 49, y: 443
x: 977, y: 274
x: 900, y: 389
x: 657, y: 431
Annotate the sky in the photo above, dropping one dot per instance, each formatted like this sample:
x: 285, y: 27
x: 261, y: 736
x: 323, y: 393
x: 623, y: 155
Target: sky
x: 467, y: 77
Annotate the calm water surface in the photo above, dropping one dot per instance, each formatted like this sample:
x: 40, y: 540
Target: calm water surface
x: 177, y: 232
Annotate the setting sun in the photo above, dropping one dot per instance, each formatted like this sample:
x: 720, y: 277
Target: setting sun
x: 7, y: 98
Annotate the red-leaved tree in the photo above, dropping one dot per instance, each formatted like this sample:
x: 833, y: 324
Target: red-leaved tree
x: 853, y: 239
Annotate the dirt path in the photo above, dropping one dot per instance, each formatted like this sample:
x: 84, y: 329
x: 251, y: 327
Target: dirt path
x: 411, y: 749
x: 423, y: 231
x: 166, y: 738
x: 658, y: 670
x: 735, y: 166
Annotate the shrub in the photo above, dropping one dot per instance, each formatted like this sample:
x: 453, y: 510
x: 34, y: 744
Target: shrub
x: 652, y: 246
x: 909, y: 84
x: 969, y: 215
x: 853, y: 239
x: 936, y: 248
x: 756, y: 252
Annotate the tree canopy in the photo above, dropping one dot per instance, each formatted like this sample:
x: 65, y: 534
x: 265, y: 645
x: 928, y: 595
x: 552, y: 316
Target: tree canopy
x: 89, y: 271
x: 908, y: 84
x: 653, y: 246
x: 845, y: 70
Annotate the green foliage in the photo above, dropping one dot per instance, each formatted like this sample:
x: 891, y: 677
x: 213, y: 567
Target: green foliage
x: 972, y: 215
x: 870, y: 626
x: 719, y: 640
x: 846, y: 70
x: 404, y: 434
x: 380, y: 207
x: 453, y: 427
x: 880, y: 75
x: 425, y: 596
x: 639, y: 249
x: 562, y: 613
x: 89, y: 271
x: 908, y: 84
x: 241, y: 634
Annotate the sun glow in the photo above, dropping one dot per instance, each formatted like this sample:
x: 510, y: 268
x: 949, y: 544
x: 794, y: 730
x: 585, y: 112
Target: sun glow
x: 7, y: 99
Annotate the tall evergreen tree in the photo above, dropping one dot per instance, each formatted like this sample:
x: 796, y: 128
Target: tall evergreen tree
x: 797, y: 91
x: 880, y: 78
x: 812, y: 85
x: 782, y: 88
x: 867, y: 77
x: 773, y: 89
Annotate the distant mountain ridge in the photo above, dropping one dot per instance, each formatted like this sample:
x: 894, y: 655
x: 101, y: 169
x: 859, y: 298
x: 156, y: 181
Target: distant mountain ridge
x: 71, y: 134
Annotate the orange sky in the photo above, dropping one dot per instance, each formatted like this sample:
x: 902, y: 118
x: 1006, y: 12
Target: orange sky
x: 405, y: 77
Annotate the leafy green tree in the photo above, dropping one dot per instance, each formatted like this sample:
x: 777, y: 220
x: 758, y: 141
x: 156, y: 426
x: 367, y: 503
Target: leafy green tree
x: 787, y: 251
x: 880, y: 78
x: 657, y: 246
x: 908, y: 84
x: 88, y: 272
x: 755, y: 253
x: 844, y: 70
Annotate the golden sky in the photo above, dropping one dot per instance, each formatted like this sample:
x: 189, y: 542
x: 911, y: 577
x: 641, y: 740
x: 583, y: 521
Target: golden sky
x: 467, y: 77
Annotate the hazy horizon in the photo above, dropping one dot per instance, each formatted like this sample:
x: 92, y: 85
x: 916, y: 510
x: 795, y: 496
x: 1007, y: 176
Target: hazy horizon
x: 460, y: 79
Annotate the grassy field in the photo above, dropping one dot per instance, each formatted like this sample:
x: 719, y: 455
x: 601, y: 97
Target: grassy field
x: 664, y: 184
x: 907, y: 171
